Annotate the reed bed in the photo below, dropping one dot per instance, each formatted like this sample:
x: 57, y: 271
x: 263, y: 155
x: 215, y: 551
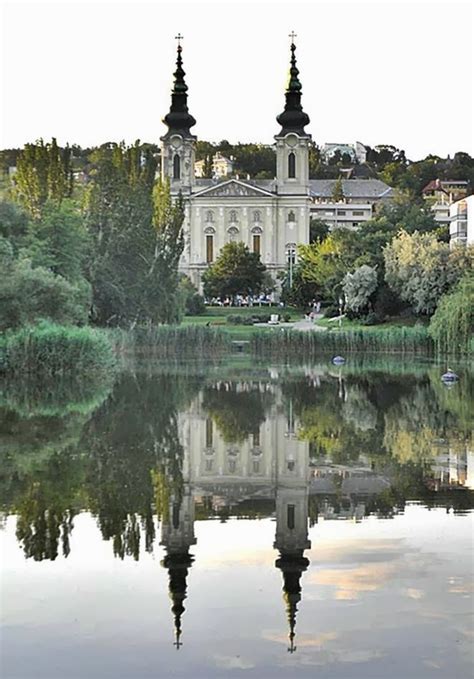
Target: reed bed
x: 48, y: 349
x: 165, y: 341
x: 402, y: 340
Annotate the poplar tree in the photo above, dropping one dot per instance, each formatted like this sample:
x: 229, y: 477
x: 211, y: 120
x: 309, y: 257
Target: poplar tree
x: 43, y: 174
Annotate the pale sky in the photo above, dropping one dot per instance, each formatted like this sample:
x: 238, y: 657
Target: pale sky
x: 383, y: 72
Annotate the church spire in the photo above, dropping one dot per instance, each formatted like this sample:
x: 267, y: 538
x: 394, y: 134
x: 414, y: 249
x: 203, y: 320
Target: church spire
x: 179, y: 120
x: 177, y: 565
x: 292, y: 565
x: 293, y: 118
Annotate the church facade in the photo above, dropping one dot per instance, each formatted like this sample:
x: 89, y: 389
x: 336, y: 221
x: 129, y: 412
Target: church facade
x: 270, y: 216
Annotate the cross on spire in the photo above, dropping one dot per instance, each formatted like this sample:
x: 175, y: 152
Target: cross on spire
x: 178, y: 37
x: 292, y: 36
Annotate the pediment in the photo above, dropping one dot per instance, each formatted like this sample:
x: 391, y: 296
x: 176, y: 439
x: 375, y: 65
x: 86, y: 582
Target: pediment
x: 231, y: 189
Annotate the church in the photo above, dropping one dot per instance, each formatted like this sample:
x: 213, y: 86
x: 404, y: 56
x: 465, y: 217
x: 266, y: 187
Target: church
x: 270, y: 216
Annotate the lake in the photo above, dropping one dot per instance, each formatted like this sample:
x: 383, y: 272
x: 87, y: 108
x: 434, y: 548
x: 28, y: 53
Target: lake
x: 239, y: 519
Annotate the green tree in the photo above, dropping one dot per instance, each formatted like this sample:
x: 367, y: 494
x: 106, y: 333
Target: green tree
x: 136, y: 232
x: 338, y: 191
x: 359, y: 287
x: 235, y: 271
x: 59, y: 241
x: 326, y: 263
x: 29, y: 294
x: 421, y: 269
x: 14, y: 224
x: 302, y: 292
x: 207, y: 169
x: 318, y: 230
x: 452, y: 325
x: 43, y: 173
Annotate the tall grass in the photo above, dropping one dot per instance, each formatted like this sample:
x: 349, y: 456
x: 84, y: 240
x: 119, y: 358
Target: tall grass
x: 48, y: 349
x: 165, y: 341
x: 403, y: 340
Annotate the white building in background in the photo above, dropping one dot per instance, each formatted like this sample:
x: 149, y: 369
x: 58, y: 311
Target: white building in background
x: 356, y: 152
x: 361, y: 199
x: 461, y: 222
x: 221, y: 166
x: 441, y: 193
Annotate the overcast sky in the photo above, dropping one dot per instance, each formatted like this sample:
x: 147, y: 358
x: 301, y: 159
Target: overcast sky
x: 382, y: 72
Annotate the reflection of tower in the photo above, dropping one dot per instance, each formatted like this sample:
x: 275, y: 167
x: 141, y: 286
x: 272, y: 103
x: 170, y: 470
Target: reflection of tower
x: 292, y: 566
x: 177, y: 535
x: 291, y: 537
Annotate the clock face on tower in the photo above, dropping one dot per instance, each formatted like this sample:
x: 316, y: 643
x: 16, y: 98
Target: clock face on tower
x: 291, y: 140
x: 176, y: 141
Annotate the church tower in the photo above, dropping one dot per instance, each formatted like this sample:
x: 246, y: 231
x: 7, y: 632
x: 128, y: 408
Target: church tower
x: 292, y: 142
x: 291, y: 508
x: 178, y: 144
x: 177, y: 536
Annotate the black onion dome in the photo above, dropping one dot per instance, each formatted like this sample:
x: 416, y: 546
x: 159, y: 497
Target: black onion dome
x: 293, y: 118
x: 179, y: 120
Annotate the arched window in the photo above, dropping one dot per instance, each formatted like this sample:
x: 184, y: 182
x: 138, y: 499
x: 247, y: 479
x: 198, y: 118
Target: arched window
x: 233, y: 216
x: 176, y: 167
x: 291, y: 216
x: 209, y: 216
x: 291, y: 165
x: 257, y: 217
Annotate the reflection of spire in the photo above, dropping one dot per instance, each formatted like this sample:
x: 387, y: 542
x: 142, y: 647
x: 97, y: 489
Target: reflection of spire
x: 178, y: 566
x: 292, y: 566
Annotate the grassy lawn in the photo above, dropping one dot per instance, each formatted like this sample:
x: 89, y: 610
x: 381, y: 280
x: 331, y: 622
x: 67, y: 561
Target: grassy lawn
x: 217, y: 317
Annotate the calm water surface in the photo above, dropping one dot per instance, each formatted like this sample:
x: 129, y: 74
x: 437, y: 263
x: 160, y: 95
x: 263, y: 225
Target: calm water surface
x: 238, y: 520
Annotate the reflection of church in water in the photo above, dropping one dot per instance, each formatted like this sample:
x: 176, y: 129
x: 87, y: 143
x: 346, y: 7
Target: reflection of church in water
x: 271, y: 464
x: 267, y: 469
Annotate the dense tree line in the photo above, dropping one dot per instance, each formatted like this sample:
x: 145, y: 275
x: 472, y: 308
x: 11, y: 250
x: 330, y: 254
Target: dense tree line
x: 383, y: 161
x: 106, y: 251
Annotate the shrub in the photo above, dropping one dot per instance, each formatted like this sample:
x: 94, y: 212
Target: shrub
x: 162, y: 341
x: 370, y: 319
x: 359, y: 287
x: 241, y: 319
x: 452, y: 325
x: 29, y: 294
x: 48, y: 349
x: 331, y: 311
x: 195, y: 305
x: 288, y: 343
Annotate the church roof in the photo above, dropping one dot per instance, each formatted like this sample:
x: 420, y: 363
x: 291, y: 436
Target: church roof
x: 352, y: 188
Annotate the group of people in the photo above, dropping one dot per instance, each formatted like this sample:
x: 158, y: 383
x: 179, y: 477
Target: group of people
x: 242, y: 300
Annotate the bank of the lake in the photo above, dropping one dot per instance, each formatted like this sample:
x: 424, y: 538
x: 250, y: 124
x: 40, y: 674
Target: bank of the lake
x: 49, y: 349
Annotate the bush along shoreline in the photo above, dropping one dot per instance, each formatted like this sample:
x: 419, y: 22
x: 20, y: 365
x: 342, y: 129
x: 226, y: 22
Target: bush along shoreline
x: 47, y: 349
x: 404, y: 340
x: 165, y: 341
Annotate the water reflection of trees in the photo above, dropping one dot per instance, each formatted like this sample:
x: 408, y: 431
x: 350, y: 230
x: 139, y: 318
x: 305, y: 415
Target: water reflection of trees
x: 40, y: 427
x: 120, y: 456
x: 133, y: 435
x: 238, y: 408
